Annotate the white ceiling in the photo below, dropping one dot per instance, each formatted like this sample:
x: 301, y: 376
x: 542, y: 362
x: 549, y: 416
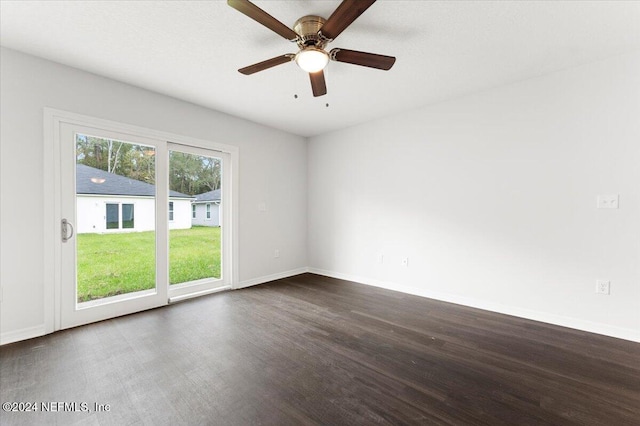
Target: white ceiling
x: 191, y: 50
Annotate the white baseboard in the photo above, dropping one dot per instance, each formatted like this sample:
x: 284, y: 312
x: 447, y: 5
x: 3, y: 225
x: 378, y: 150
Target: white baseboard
x: 22, y: 334
x: 563, y: 321
x: 272, y: 277
x: 578, y: 324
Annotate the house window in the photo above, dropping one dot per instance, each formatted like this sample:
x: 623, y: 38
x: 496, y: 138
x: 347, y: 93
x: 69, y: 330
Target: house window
x: 193, y: 211
x: 208, y: 211
x: 113, y: 216
x: 115, y: 211
x: 127, y: 216
x: 170, y: 211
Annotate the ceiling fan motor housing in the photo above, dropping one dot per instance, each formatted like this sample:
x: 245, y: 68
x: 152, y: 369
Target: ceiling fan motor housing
x: 307, y: 29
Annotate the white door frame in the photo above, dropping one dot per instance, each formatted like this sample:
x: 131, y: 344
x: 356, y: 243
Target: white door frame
x: 53, y: 120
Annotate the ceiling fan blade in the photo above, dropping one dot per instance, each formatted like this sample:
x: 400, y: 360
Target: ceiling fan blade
x: 343, y: 16
x: 259, y: 15
x: 269, y: 63
x: 365, y: 59
x: 318, y: 84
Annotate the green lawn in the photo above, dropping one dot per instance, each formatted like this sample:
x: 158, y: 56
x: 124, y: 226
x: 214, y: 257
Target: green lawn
x: 111, y: 264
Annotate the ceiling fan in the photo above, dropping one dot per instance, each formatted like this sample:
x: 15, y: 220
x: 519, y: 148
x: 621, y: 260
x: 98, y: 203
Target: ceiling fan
x: 312, y: 34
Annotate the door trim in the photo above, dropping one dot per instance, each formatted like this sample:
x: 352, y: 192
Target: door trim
x: 53, y: 119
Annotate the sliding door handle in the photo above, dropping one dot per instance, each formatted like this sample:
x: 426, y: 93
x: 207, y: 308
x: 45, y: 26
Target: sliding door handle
x: 67, y: 230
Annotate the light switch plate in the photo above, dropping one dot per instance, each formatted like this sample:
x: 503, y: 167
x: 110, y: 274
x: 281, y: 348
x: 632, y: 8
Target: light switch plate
x: 608, y: 201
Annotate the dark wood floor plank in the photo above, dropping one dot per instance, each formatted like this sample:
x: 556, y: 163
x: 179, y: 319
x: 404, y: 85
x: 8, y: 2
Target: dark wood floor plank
x: 311, y: 350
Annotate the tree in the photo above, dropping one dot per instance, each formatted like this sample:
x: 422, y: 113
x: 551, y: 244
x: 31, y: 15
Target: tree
x: 189, y: 174
x: 122, y: 158
x: 193, y: 174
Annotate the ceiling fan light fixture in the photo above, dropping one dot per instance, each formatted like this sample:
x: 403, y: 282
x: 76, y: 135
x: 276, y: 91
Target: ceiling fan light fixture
x: 312, y: 34
x: 312, y: 59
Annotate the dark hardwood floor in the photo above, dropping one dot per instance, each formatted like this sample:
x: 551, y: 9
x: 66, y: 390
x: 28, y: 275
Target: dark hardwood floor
x: 315, y: 350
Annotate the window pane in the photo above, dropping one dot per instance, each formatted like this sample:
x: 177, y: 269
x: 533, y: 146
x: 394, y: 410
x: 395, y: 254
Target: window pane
x: 194, y: 244
x: 170, y: 210
x: 111, y: 262
x: 127, y: 216
x: 113, y: 219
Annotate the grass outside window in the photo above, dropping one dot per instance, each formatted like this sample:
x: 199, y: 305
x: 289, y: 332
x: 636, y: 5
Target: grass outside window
x: 112, y: 264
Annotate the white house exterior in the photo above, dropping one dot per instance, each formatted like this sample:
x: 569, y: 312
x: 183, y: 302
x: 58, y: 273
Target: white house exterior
x: 110, y: 203
x: 181, y: 217
x: 205, y: 209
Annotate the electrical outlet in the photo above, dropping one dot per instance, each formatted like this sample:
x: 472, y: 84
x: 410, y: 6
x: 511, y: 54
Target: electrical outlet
x: 405, y: 261
x: 608, y: 201
x: 603, y: 287
x: 381, y: 258
x: 276, y: 253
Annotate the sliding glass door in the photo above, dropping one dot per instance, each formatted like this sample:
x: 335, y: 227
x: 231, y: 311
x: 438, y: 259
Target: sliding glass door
x: 143, y: 222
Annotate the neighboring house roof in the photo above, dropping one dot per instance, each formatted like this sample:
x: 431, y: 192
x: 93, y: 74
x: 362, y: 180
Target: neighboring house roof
x: 114, y: 184
x: 208, y: 197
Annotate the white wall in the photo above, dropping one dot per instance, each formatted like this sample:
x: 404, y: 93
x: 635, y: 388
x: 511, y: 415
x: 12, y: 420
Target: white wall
x: 490, y: 196
x: 181, y: 213
x: 492, y: 199
x: 272, y: 171
x: 91, y: 213
x: 201, y: 215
